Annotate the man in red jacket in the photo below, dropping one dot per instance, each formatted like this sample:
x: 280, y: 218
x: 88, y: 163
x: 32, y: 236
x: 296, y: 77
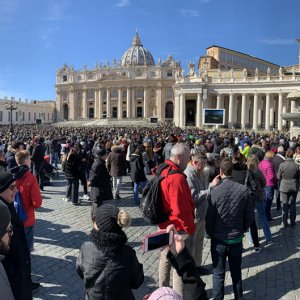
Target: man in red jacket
x: 177, y: 200
x: 28, y: 186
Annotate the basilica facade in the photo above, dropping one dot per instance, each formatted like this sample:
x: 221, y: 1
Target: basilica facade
x: 253, y: 93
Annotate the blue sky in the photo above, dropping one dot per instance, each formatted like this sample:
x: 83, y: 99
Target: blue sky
x: 38, y: 36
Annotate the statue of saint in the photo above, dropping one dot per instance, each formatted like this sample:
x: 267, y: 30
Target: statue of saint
x: 268, y: 71
x: 191, y: 69
x: 256, y: 72
x: 245, y: 73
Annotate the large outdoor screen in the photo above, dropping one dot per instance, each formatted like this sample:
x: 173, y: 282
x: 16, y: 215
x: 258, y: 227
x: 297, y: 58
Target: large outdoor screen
x: 213, y: 116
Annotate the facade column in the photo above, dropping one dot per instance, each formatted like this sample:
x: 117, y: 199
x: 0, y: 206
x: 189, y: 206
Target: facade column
x: 72, y: 105
x: 218, y: 101
x: 182, y: 110
x: 199, y: 110
x: 84, y: 104
x: 280, y: 106
x: 146, y: 103
x: 128, y: 103
x: 133, y: 102
x: 267, y: 112
x: 108, y: 109
x: 100, y: 105
x: 255, y: 111
x: 177, y: 110
x: 96, y: 109
x: 243, y: 114
x: 230, y: 112
x: 159, y: 103
x: 120, y: 103
x: 284, y: 110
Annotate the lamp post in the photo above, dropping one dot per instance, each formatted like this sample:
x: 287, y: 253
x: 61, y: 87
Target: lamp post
x: 11, y: 105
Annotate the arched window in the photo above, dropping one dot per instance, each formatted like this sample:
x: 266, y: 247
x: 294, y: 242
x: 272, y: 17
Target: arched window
x: 169, y: 110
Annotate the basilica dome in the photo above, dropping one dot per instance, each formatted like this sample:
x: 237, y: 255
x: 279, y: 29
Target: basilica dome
x: 137, y: 54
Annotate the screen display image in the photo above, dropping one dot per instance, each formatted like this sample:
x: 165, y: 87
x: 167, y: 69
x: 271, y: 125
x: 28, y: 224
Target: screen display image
x: 214, y: 116
x: 158, y: 241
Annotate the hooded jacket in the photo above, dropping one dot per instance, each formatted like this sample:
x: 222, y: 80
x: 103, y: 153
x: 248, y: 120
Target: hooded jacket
x: 28, y: 186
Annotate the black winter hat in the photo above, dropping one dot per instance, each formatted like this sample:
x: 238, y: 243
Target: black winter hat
x: 106, y: 218
x: 4, y: 218
x: 6, y: 179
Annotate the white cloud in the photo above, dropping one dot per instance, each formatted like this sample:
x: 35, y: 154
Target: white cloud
x: 278, y: 41
x: 189, y: 13
x: 57, y: 11
x: 123, y: 3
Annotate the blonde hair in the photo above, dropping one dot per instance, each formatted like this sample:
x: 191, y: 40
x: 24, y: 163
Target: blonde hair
x: 252, y: 162
x: 21, y: 157
x: 124, y: 219
x: 269, y: 154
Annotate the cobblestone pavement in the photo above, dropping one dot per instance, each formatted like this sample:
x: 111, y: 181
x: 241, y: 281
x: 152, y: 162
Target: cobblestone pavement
x: 61, y: 229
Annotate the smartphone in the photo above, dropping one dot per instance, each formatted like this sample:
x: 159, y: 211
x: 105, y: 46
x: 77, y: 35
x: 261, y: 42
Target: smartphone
x: 157, y: 240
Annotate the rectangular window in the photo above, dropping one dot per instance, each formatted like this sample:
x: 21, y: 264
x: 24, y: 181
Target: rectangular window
x: 104, y: 95
x: 65, y: 78
x: 169, y: 93
x: 91, y: 94
x: 169, y: 73
x: 114, y: 93
x: 124, y: 94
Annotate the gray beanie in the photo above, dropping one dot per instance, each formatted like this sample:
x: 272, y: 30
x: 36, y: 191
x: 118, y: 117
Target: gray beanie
x: 4, y: 218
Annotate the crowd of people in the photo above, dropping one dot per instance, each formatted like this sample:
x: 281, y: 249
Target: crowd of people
x: 213, y: 182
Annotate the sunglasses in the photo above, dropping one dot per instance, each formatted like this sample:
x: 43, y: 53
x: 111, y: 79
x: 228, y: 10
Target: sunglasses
x: 12, y: 187
x: 9, y: 231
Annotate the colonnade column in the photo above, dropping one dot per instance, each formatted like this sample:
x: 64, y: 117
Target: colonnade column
x: 284, y: 111
x: 100, y: 105
x: 230, y: 112
x: 280, y: 106
x: 108, y: 114
x: 243, y: 114
x: 128, y: 103
x: 96, y: 109
x: 199, y: 110
x: 255, y: 111
x: 133, y: 102
x: 146, y: 103
x: 272, y: 121
x: 267, y: 113
x: 84, y: 108
x: 119, y: 103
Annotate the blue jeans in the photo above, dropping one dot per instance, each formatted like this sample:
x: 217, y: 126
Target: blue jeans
x: 269, y: 195
x: 219, y: 253
x: 263, y: 220
x: 54, y: 159
x: 29, y: 234
x: 136, y: 191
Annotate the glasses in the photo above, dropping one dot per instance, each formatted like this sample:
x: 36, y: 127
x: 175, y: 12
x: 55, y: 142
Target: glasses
x: 9, y: 231
x: 12, y: 187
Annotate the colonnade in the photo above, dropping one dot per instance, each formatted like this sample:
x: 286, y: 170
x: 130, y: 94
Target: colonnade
x: 245, y: 110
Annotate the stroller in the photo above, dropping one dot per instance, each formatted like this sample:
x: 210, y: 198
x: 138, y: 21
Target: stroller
x: 50, y: 172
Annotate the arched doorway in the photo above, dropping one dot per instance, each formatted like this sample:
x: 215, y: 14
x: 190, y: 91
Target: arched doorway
x: 66, y: 112
x: 169, y: 110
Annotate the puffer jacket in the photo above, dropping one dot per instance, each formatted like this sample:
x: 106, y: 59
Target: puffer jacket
x: 230, y: 210
x: 109, y: 268
x: 137, y: 173
x: 199, y: 185
x: 116, y: 162
x: 267, y: 169
x: 28, y: 186
x: 177, y: 200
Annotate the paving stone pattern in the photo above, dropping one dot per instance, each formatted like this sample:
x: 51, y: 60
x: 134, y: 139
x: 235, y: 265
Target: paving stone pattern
x: 61, y: 229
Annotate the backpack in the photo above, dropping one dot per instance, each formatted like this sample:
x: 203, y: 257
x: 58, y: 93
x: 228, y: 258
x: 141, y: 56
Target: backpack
x: 18, y: 204
x: 151, y: 201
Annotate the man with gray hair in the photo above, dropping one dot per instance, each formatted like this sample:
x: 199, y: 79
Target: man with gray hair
x: 277, y: 160
x: 178, y: 203
x: 198, y: 181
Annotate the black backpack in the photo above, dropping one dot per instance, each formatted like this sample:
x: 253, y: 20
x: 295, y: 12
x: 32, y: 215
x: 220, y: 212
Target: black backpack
x: 151, y: 201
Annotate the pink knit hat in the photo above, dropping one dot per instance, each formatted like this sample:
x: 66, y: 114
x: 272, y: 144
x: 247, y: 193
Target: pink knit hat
x: 164, y: 293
